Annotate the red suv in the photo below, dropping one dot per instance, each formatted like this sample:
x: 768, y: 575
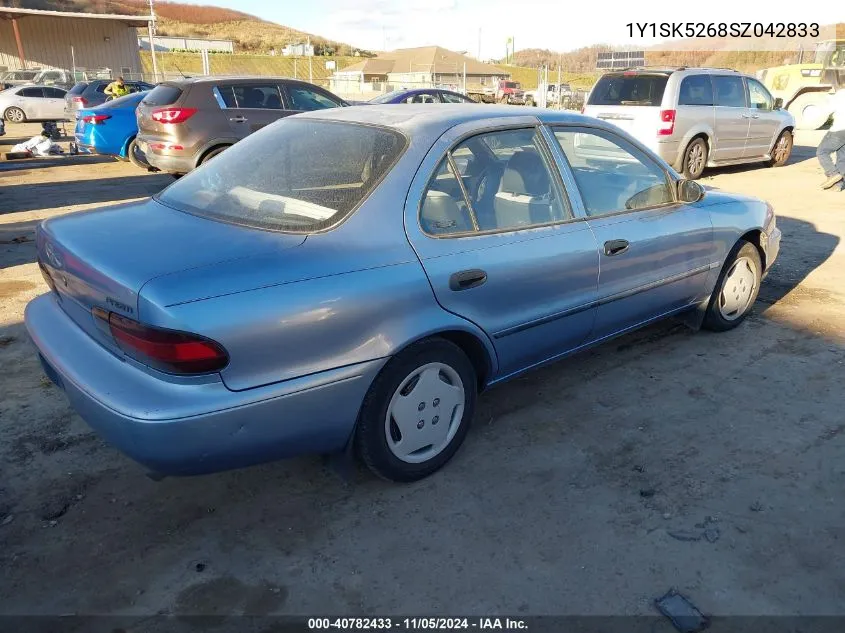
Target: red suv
x: 510, y: 92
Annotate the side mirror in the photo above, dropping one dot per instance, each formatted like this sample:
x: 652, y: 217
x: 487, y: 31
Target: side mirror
x: 778, y: 103
x: 690, y: 191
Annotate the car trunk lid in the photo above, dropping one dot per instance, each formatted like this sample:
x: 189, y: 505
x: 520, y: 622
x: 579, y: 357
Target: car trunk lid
x: 103, y: 258
x: 631, y: 101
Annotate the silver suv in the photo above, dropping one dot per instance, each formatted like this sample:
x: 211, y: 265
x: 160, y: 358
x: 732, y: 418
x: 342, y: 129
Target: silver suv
x: 696, y: 117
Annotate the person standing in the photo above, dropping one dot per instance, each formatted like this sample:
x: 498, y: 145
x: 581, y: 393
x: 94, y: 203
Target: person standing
x: 117, y: 89
x: 833, y: 143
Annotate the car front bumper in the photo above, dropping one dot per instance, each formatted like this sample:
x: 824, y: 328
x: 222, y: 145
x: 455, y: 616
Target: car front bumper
x: 194, y: 427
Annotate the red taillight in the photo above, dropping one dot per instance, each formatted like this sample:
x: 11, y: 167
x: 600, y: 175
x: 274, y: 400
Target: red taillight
x: 667, y: 123
x: 165, y: 146
x: 81, y: 100
x: 173, y: 115
x: 169, y: 351
x: 96, y: 119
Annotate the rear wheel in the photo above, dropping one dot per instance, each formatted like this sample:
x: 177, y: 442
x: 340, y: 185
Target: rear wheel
x: 15, y: 115
x: 503, y: 99
x: 417, y: 412
x: 212, y: 154
x: 529, y: 101
x: 695, y: 159
x: 811, y: 110
x: 136, y: 156
x: 736, y: 290
x: 781, y: 150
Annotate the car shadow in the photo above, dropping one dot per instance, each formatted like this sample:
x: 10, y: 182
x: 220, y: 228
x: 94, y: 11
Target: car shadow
x: 30, y: 197
x: 58, y: 160
x: 800, y: 154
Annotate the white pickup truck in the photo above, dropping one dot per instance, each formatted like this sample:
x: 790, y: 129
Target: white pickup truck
x: 532, y: 97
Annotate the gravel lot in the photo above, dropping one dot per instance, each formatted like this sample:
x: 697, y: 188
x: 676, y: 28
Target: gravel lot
x: 583, y: 488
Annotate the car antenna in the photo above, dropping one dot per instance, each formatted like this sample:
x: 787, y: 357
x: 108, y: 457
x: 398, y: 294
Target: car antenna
x: 180, y: 71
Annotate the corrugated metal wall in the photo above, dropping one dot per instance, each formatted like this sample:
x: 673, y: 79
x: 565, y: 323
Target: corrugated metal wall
x: 47, y: 42
x: 165, y: 42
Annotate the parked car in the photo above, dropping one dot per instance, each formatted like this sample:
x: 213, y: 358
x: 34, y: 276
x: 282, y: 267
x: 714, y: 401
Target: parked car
x: 554, y: 94
x: 510, y: 92
x: 185, y: 123
x: 55, y: 77
x: 696, y: 117
x: 422, y: 95
x: 32, y: 103
x: 352, y: 278
x: 16, y: 78
x: 91, y: 93
x: 111, y: 129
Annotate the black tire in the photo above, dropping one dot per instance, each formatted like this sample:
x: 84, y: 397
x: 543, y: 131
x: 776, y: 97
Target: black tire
x: 212, y: 153
x: 134, y: 155
x: 530, y: 102
x: 811, y: 110
x: 15, y: 115
x: 370, y: 440
x: 781, y: 154
x: 714, y: 320
x: 504, y: 99
x: 695, y: 159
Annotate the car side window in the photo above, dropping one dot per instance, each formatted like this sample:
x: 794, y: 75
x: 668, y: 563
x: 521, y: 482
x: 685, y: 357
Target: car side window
x: 505, y: 182
x: 258, y: 96
x: 302, y: 98
x: 54, y: 93
x: 696, y: 90
x: 760, y: 98
x: 32, y: 92
x: 448, y: 97
x: 225, y: 97
x: 612, y: 175
x: 729, y: 91
x: 422, y: 97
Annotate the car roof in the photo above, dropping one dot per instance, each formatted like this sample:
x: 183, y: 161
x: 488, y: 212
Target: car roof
x: 423, y: 119
x: 230, y: 79
x: 19, y: 86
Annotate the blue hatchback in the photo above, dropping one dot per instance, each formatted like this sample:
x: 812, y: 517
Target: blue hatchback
x: 110, y: 129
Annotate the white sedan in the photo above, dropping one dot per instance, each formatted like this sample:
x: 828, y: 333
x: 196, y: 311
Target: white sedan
x: 32, y: 103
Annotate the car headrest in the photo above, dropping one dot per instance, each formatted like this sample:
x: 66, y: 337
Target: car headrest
x: 525, y: 175
x: 274, y: 101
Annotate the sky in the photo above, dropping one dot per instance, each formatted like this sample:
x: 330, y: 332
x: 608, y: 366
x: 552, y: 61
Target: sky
x: 470, y: 25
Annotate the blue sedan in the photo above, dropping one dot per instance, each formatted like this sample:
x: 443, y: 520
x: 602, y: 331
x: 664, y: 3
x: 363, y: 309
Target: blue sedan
x: 421, y: 95
x: 352, y: 279
x: 110, y: 129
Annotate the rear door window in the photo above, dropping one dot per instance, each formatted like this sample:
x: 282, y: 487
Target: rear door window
x: 629, y: 90
x: 54, y: 93
x: 32, y: 92
x: 257, y: 96
x: 729, y: 91
x: 161, y: 95
x: 696, y: 90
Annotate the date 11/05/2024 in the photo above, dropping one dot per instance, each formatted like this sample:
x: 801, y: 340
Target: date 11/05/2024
x: 723, y: 29
x: 417, y: 624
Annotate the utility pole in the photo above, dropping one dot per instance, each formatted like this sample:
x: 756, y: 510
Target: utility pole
x: 151, y: 31
x: 559, y: 59
x: 479, y: 43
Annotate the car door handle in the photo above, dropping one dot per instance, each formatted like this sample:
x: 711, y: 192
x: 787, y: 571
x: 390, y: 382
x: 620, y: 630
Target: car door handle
x: 466, y: 279
x: 615, y: 247
x: 755, y: 116
x: 238, y: 119
x: 746, y: 116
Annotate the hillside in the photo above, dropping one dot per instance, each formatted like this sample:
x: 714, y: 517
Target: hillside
x: 250, y: 33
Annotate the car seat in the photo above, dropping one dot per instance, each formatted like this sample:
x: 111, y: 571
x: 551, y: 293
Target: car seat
x: 524, y: 195
x: 441, y: 214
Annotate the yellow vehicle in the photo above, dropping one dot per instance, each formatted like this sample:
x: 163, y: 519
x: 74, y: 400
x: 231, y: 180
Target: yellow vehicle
x: 806, y: 87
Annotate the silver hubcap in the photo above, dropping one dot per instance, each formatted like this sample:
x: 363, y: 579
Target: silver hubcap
x: 15, y: 115
x: 424, y: 413
x: 738, y: 289
x: 695, y: 160
x: 781, y: 149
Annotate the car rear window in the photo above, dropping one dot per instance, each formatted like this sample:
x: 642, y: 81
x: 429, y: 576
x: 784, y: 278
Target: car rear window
x: 78, y: 88
x: 163, y: 94
x: 295, y: 175
x: 629, y: 90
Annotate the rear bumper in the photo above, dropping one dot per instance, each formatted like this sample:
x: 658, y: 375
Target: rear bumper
x: 194, y: 427
x: 173, y: 164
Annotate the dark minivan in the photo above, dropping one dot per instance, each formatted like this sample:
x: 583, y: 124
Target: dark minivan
x: 183, y: 123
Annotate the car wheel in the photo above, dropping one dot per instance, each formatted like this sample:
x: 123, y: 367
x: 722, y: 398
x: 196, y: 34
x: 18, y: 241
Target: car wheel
x: 212, y: 154
x: 417, y: 412
x: 811, y: 110
x: 504, y: 99
x: 136, y: 157
x: 782, y: 149
x: 736, y: 290
x: 15, y: 115
x: 530, y: 102
x: 695, y: 159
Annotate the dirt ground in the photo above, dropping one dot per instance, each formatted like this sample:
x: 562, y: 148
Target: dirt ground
x: 712, y: 463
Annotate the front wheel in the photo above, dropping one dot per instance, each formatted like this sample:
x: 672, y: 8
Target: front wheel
x: 695, y: 159
x: 417, y: 412
x: 811, y: 110
x: 782, y: 149
x: 530, y: 102
x: 736, y: 290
